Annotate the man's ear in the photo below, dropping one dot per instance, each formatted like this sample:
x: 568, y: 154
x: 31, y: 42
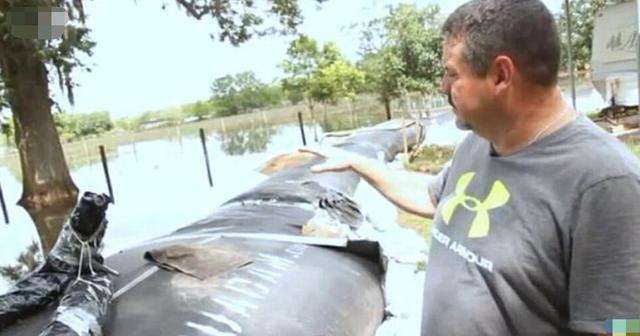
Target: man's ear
x: 502, y: 73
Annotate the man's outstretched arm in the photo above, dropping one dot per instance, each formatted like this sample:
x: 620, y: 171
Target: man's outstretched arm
x: 407, y: 190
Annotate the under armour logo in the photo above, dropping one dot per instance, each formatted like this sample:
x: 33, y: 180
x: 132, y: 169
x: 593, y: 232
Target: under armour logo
x: 498, y: 196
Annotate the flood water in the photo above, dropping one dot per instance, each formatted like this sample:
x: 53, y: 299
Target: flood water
x: 161, y: 185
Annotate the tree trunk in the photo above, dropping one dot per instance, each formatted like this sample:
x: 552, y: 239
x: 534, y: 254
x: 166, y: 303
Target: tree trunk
x: 387, y: 107
x: 46, y: 181
x: 49, y: 222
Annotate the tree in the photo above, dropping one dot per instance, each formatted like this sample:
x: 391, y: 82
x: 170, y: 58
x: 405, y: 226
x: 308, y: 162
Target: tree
x: 335, y: 80
x: 200, y: 110
x: 383, y: 71
x: 303, y: 61
x: 335, y: 77
x: 583, y: 14
x: 24, y: 69
x: 239, y: 21
x: 402, y: 52
x: 318, y: 76
x: 241, y: 93
x: 72, y: 127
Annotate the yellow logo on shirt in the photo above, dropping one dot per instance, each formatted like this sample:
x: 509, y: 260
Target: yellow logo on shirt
x: 498, y: 196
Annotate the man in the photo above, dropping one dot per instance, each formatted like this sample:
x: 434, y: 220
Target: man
x: 537, y: 218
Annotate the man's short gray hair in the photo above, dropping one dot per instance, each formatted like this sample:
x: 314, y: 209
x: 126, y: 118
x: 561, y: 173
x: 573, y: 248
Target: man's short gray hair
x: 525, y: 30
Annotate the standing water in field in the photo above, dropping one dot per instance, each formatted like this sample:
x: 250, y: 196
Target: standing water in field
x: 161, y: 185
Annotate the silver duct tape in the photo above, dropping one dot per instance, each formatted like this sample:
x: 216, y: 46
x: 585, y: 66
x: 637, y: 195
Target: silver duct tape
x: 334, y: 242
x: 68, y: 247
x: 84, y: 304
x: 79, y: 320
x: 270, y: 202
x: 83, y: 308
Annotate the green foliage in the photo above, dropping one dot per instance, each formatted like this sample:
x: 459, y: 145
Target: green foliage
x: 242, y: 93
x: 315, y: 75
x: 241, y: 20
x: 595, y: 114
x: 402, y: 52
x: 339, y: 79
x: 421, y: 225
x: 302, y: 61
x: 232, y: 94
x: 383, y: 72
x: 237, y: 22
x: 167, y: 117
x: 583, y: 14
x: 62, y: 55
x: 200, y: 110
x: 634, y: 146
x: 6, y: 127
x: 127, y: 124
x: 27, y: 261
x: 430, y: 159
x: 72, y: 127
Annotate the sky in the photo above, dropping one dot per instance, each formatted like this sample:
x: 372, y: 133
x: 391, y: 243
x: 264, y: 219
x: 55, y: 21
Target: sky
x: 147, y: 58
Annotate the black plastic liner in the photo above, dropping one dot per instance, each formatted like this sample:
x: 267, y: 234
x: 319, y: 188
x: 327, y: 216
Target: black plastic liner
x: 73, y: 269
x: 83, y: 308
x: 305, y: 289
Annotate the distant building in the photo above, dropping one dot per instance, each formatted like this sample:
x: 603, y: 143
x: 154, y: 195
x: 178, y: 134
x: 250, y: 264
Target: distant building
x: 190, y: 119
x: 154, y: 123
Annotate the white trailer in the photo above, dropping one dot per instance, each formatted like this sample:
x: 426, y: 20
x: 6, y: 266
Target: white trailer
x: 615, y: 52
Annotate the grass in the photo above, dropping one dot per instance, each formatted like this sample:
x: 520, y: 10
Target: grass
x: 429, y: 160
x: 634, y: 146
x: 418, y: 224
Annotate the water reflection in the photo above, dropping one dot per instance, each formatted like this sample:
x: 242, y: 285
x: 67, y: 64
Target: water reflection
x: 77, y: 155
x: 253, y: 139
x: 160, y: 182
x: 349, y: 121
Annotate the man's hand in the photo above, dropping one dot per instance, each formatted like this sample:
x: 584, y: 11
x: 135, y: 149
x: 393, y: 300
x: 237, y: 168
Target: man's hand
x: 407, y: 190
x: 338, y: 160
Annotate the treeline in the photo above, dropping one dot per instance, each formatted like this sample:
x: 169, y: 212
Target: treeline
x: 230, y: 95
x: 71, y: 127
x: 400, y: 54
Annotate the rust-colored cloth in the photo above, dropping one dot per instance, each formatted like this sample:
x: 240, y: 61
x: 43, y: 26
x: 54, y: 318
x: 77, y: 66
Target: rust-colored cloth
x: 199, y: 261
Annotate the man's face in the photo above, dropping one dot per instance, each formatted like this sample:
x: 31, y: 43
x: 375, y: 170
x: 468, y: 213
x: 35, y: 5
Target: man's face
x: 468, y: 93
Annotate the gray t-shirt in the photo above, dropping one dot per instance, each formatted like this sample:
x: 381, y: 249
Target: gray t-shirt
x: 545, y: 241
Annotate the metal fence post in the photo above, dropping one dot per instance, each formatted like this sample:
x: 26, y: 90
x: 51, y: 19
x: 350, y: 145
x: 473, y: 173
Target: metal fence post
x: 103, y: 156
x: 301, y: 123
x: 206, y: 156
x: 4, y: 207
